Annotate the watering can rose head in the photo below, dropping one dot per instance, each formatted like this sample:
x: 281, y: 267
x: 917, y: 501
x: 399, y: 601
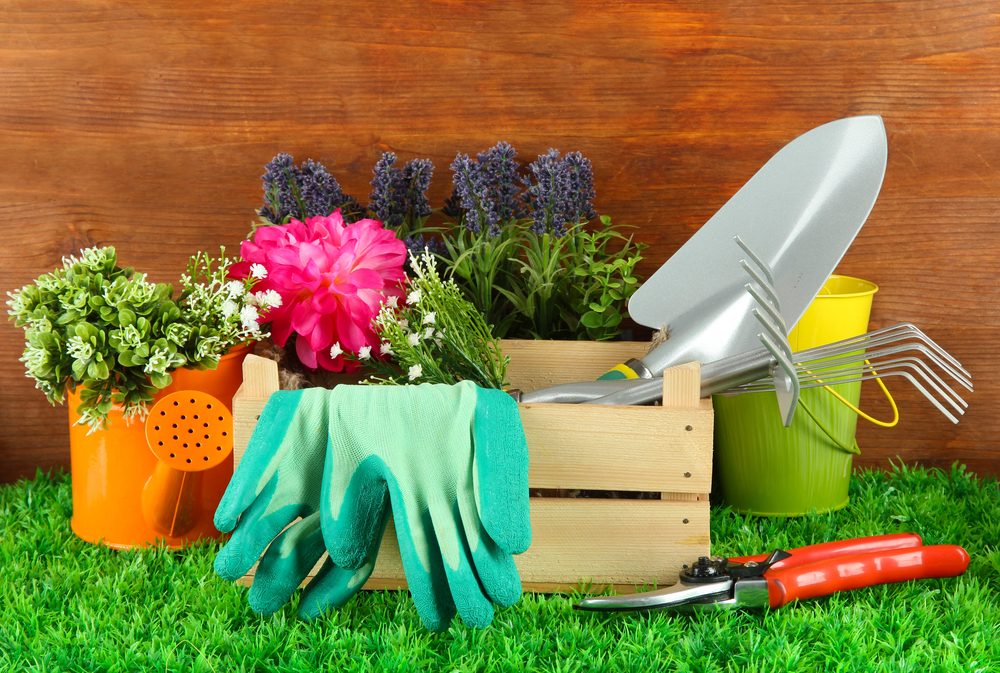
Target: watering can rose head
x: 332, y: 278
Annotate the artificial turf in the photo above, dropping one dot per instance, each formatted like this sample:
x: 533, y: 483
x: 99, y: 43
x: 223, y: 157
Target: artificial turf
x: 69, y: 606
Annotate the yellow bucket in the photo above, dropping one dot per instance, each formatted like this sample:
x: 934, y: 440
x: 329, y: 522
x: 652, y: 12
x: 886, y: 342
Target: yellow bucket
x: 767, y: 469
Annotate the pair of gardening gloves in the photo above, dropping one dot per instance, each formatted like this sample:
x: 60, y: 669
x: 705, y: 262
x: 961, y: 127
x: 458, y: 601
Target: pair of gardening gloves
x: 324, y: 470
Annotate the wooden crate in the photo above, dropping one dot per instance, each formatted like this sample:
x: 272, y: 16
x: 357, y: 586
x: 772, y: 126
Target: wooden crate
x: 625, y: 542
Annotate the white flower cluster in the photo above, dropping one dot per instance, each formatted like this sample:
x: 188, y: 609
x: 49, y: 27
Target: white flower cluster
x: 240, y: 308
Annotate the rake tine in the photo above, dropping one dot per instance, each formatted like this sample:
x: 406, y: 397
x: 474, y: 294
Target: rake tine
x: 848, y: 359
x: 889, y: 334
x: 880, y: 375
x: 932, y: 353
x: 929, y: 375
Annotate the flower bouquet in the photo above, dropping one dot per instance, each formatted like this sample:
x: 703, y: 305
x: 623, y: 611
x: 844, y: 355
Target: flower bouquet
x: 512, y: 242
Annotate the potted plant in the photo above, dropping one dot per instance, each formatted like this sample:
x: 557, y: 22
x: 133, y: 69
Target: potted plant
x: 111, y: 343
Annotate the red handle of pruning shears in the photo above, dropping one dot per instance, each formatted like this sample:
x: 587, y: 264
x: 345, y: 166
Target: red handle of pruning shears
x: 844, y: 573
x: 818, y: 552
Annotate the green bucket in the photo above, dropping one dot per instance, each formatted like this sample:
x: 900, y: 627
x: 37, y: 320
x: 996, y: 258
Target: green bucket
x: 764, y: 468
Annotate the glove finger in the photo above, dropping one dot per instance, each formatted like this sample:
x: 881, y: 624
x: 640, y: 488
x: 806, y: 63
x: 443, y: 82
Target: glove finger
x: 261, y: 459
x: 472, y: 604
x: 422, y: 564
x: 333, y: 586
x: 495, y: 568
x: 257, y: 528
x: 286, y: 564
x: 353, y: 509
x: 501, y: 475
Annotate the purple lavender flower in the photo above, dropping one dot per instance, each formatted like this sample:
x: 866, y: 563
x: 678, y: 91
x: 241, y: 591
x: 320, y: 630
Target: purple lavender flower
x: 321, y: 193
x: 386, y: 197
x: 399, y: 195
x: 417, y: 176
x: 468, y: 191
x: 279, y: 201
x: 488, y: 190
x: 559, y: 192
x: 500, y: 176
x: 299, y: 192
x: 417, y: 243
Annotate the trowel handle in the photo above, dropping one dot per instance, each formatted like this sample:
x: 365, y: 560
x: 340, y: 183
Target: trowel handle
x: 632, y: 368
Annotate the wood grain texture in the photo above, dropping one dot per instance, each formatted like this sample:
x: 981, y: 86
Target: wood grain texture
x: 628, y: 543
x: 146, y: 124
x: 604, y: 448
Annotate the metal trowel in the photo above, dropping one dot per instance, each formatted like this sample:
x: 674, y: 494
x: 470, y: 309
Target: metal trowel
x: 799, y: 213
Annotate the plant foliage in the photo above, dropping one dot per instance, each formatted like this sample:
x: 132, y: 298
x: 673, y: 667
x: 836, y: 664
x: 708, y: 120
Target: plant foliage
x: 94, y: 325
x: 436, y: 336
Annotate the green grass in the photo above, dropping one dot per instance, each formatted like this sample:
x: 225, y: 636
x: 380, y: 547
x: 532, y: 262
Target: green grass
x: 69, y: 606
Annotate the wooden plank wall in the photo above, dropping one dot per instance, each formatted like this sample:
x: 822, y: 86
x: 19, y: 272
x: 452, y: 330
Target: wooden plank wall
x: 146, y: 124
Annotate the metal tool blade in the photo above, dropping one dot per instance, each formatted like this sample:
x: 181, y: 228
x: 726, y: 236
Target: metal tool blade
x: 799, y: 213
x: 672, y: 596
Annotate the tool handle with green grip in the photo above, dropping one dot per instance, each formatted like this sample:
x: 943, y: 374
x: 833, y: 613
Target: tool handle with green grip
x: 630, y: 369
x: 846, y: 573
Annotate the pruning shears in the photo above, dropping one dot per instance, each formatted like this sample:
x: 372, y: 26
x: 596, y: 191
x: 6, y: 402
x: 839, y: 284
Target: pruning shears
x: 776, y: 579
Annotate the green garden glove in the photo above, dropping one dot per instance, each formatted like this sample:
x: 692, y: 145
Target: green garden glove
x: 279, y: 480
x: 454, y: 463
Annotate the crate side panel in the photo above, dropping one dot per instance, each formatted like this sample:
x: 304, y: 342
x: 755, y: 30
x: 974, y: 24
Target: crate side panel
x: 540, y: 364
x: 582, y: 540
x: 619, y: 448
x: 613, y: 541
x: 602, y: 541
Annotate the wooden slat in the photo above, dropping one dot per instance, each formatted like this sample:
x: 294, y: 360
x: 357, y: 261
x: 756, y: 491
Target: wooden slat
x: 581, y: 540
x: 682, y: 386
x: 619, y: 448
x: 260, y: 379
x: 539, y: 364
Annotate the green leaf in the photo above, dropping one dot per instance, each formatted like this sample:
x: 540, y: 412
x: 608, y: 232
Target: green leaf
x: 98, y: 371
x: 597, y: 308
x: 85, y: 331
x: 591, y: 320
x: 612, y: 319
x: 161, y: 380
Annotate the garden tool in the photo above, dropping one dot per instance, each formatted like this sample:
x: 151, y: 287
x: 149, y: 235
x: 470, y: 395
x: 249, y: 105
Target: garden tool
x: 826, y: 365
x: 453, y: 461
x: 799, y: 212
x: 189, y: 432
x: 776, y: 579
x: 836, y: 363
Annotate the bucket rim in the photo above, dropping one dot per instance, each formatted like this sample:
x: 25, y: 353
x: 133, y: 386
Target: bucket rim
x: 872, y: 288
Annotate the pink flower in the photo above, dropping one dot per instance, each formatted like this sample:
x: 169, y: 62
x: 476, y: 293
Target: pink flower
x: 332, y: 278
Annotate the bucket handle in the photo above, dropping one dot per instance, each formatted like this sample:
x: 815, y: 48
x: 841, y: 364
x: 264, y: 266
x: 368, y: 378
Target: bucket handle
x: 853, y: 448
x: 870, y: 419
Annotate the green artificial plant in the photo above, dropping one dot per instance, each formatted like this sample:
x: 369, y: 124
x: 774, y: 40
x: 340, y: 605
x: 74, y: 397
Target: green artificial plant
x: 106, y: 330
